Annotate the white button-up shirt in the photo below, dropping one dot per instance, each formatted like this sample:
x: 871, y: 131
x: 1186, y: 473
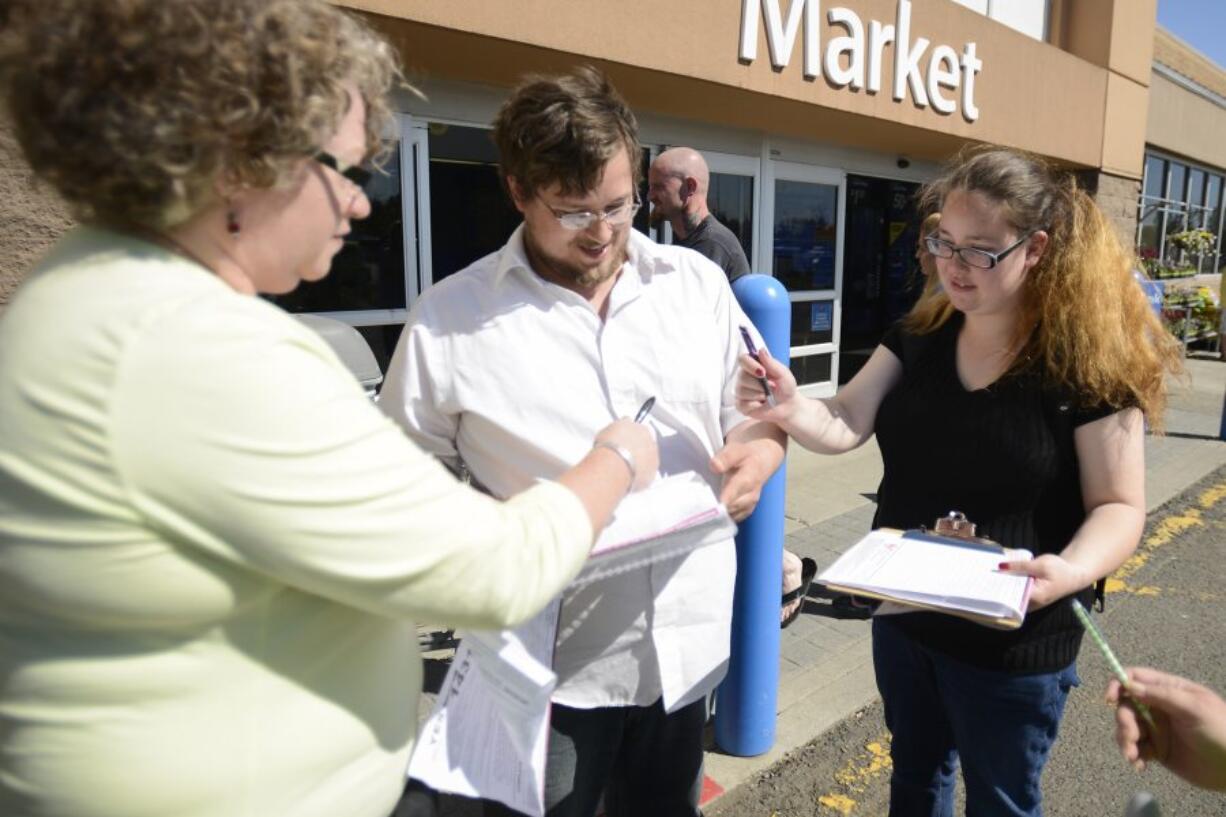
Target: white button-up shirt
x: 515, y: 375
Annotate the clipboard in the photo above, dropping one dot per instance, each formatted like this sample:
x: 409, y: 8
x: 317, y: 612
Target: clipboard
x: 948, y: 569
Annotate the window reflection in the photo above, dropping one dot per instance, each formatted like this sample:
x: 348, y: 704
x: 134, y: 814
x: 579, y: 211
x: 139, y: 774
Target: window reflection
x: 470, y: 215
x: 806, y: 234
x: 368, y: 272
x: 730, y: 200
x: 812, y: 368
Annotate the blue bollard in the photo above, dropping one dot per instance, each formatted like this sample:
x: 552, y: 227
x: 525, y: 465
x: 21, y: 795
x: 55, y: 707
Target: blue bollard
x: 745, y: 710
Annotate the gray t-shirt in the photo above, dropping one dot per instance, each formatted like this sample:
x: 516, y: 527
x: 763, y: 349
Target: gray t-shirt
x: 720, y: 244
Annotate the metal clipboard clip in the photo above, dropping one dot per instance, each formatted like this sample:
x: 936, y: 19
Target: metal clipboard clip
x: 955, y: 526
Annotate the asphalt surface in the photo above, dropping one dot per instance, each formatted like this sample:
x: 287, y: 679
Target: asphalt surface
x: 1166, y: 608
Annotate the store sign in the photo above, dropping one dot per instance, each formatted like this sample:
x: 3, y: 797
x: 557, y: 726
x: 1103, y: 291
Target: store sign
x: 927, y: 80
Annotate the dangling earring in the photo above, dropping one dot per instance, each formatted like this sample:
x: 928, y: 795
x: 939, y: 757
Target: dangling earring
x: 232, y: 225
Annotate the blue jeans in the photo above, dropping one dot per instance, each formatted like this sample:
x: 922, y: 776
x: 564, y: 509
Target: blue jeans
x: 1001, y: 725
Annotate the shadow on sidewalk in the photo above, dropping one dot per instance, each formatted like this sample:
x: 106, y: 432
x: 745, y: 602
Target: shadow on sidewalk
x: 828, y: 604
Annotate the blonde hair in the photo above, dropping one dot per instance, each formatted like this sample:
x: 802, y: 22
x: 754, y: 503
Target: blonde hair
x: 134, y: 110
x: 1083, y: 317
x: 928, y: 264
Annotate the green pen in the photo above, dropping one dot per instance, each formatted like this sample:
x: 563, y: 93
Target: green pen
x: 1117, y: 669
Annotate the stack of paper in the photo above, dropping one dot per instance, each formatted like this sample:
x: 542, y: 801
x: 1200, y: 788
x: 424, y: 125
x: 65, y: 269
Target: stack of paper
x: 922, y: 571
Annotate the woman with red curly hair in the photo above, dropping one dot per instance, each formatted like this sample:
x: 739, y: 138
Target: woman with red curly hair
x: 1015, y: 391
x: 212, y: 546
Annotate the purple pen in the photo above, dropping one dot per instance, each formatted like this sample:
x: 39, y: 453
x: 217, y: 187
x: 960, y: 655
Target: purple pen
x: 753, y: 352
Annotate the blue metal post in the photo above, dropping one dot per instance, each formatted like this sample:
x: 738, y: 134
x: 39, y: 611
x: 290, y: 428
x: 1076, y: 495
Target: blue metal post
x: 745, y: 707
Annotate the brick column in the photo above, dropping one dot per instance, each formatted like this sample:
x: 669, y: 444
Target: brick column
x: 1117, y: 196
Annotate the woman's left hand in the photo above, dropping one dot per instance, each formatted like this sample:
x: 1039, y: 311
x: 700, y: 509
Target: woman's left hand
x: 1054, y: 578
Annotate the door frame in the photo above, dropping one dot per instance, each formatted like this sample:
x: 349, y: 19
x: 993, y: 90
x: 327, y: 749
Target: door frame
x: 779, y: 170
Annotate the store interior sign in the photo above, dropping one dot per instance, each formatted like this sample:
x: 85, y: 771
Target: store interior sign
x: 928, y: 80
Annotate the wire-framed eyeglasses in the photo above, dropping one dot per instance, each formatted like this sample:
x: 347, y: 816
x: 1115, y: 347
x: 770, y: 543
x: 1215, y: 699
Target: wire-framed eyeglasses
x: 615, y: 216
x: 971, y: 256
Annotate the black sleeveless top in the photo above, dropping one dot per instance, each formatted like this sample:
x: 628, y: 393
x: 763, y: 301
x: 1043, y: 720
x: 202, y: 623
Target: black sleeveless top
x: 1004, y: 456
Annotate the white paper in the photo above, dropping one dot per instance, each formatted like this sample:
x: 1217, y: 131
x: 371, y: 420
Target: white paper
x: 676, y: 514
x: 911, y: 568
x: 487, y: 735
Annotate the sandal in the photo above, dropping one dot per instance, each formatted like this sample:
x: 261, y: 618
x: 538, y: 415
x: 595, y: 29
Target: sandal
x: 808, y: 569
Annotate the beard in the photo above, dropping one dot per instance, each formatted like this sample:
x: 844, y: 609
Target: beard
x: 578, y: 276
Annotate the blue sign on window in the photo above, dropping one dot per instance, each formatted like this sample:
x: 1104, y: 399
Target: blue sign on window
x: 821, y: 316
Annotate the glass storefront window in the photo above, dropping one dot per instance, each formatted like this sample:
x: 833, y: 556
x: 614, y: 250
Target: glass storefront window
x: 470, y: 215
x: 812, y: 368
x: 1175, y: 197
x: 368, y: 272
x: 806, y: 234
x: 1213, y: 203
x: 1149, y: 237
x: 881, y: 275
x: 1176, y: 218
x: 1196, y: 198
x: 1155, y: 176
x: 730, y: 200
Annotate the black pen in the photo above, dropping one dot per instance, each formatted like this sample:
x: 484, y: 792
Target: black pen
x: 644, y: 410
x: 753, y: 352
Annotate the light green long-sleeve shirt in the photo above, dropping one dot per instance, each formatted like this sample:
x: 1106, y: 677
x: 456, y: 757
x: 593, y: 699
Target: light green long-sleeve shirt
x: 212, y: 548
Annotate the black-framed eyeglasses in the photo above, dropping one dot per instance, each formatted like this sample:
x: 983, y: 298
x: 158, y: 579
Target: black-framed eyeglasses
x: 354, y: 173
x: 972, y: 256
x: 615, y: 216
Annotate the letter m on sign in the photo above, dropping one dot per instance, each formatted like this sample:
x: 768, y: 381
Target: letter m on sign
x: 781, y: 35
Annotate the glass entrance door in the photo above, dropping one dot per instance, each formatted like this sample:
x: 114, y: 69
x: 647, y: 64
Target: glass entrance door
x: 883, y: 276
x: 806, y: 254
x: 733, y: 196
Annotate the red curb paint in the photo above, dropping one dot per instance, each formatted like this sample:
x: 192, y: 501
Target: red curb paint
x: 710, y: 790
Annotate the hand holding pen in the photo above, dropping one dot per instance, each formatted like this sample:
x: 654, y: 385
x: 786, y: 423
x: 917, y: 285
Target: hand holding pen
x: 1187, y: 731
x: 763, y: 382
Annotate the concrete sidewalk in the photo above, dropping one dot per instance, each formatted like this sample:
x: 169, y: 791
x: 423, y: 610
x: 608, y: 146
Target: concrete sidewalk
x: 826, y: 668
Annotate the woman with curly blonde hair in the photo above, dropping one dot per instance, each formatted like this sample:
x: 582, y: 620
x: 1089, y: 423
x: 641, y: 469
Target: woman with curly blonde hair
x: 212, y: 546
x: 1015, y: 391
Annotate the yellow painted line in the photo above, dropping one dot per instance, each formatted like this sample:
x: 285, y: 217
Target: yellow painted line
x: 1213, y: 495
x: 837, y: 802
x: 857, y: 775
x: 1166, y: 531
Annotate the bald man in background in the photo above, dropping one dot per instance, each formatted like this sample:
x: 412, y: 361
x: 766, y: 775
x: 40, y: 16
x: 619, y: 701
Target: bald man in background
x: 677, y: 189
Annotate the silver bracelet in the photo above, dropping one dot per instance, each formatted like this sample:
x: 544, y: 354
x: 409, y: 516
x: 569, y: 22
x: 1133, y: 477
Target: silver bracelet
x: 621, y: 451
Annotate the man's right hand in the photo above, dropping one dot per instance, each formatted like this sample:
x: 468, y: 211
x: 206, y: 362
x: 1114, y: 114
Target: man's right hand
x: 640, y: 442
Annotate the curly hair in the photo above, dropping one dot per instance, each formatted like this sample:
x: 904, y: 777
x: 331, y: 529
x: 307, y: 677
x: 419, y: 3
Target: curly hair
x: 564, y: 130
x: 134, y: 110
x: 1083, y: 316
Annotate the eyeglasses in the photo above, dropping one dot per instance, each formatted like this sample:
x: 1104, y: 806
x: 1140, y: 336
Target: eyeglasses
x: 357, y: 174
x: 972, y: 257
x: 615, y: 216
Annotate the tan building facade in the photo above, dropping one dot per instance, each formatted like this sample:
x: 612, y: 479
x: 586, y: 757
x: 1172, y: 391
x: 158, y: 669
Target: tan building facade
x: 819, y: 119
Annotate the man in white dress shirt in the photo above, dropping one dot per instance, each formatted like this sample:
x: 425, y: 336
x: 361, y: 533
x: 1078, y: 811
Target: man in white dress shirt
x: 513, y: 362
